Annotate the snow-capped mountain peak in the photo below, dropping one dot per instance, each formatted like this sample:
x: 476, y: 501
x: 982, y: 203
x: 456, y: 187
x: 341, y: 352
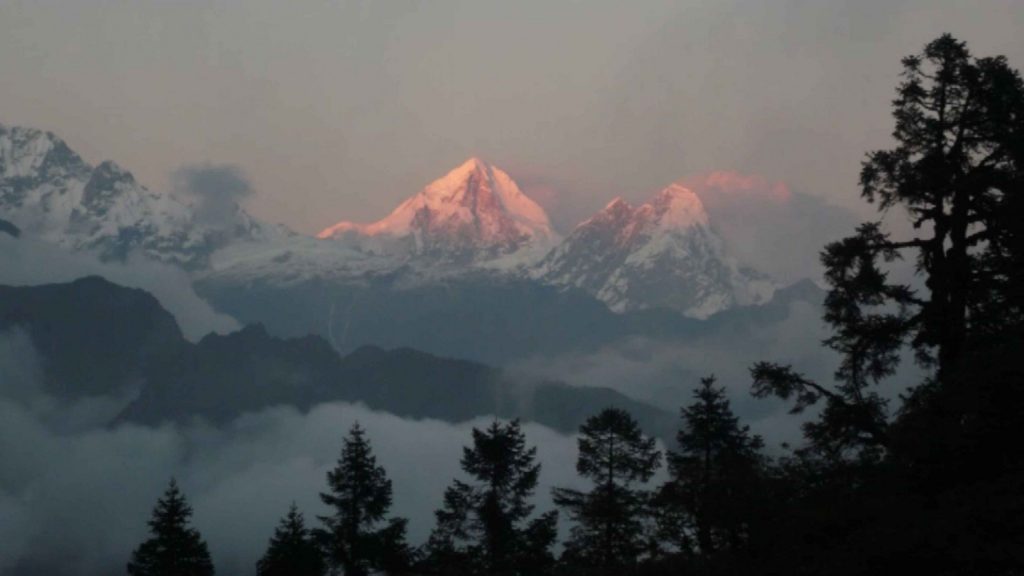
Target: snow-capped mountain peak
x: 29, y: 156
x: 473, y: 221
x: 474, y: 214
x: 616, y: 209
x: 49, y: 192
x: 662, y: 253
x: 483, y: 188
x: 677, y: 207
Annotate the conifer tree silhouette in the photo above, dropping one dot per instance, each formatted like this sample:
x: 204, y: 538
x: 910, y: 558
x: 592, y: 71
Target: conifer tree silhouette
x: 357, y: 537
x: 484, y: 526
x: 292, y: 551
x: 609, y: 532
x: 714, y: 476
x: 175, y: 548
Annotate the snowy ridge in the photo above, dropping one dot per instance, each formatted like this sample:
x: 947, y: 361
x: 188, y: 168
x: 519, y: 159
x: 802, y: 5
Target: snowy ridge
x: 662, y: 253
x: 475, y: 220
x: 48, y: 191
x: 473, y: 223
x: 294, y: 259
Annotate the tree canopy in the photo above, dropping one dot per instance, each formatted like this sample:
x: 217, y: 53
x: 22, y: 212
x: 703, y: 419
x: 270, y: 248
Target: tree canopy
x: 357, y: 536
x: 609, y: 522
x: 292, y: 551
x: 484, y: 526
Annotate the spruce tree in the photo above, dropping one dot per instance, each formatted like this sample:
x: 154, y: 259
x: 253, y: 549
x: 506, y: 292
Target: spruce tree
x: 609, y: 532
x: 714, y: 476
x: 356, y: 537
x: 292, y: 550
x: 484, y: 526
x: 175, y: 548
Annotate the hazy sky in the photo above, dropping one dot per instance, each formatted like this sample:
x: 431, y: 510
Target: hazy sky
x: 338, y: 110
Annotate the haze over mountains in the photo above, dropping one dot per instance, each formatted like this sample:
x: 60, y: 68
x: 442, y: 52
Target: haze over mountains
x: 469, y: 267
x: 100, y: 339
x: 475, y: 219
x: 464, y: 303
x: 468, y: 288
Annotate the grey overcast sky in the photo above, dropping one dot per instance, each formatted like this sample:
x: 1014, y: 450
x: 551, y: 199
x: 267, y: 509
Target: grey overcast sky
x: 338, y: 110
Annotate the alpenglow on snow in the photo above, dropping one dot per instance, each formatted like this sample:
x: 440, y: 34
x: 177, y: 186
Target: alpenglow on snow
x: 473, y: 221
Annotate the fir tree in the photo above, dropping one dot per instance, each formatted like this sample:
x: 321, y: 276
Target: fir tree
x: 957, y: 173
x: 292, y: 550
x: 714, y: 476
x: 484, y: 526
x: 609, y: 531
x: 175, y: 548
x: 938, y: 487
x: 357, y: 539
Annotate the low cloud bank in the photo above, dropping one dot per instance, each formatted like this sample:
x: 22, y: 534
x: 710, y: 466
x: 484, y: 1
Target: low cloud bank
x: 76, y: 500
x: 665, y: 373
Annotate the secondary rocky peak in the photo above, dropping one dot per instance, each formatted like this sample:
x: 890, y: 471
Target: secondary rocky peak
x: 678, y: 206
x: 29, y: 156
x: 662, y: 253
x: 48, y: 192
x: 107, y: 181
x: 617, y: 203
x: 615, y: 210
x: 23, y: 150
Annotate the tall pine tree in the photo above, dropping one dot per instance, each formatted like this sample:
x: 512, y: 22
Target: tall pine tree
x: 356, y: 537
x: 484, y: 525
x: 175, y: 548
x: 609, y: 532
x: 714, y: 476
x: 292, y: 550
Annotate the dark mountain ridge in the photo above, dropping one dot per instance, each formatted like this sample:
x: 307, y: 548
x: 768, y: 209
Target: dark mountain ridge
x: 96, y: 337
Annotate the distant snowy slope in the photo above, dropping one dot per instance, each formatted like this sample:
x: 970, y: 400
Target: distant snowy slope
x: 662, y: 253
x: 49, y: 192
x: 472, y: 225
x: 476, y: 221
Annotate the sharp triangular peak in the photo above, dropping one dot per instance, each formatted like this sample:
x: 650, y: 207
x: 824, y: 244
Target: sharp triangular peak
x: 472, y: 166
x: 473, y: 163
x: 474, y: 198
